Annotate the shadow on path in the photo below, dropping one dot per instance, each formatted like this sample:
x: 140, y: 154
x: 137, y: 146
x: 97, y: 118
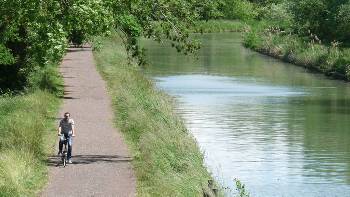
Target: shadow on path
x: 89, y: 159
x: 67, y: 97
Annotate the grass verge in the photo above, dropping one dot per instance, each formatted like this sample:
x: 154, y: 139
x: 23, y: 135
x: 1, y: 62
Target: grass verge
x: 261, y: 36
x: 331, y: 60
x: 26, y: 124
x: 167, y: 159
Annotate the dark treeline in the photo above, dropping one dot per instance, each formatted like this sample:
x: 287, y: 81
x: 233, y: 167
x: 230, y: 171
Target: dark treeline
x: 35, y: 34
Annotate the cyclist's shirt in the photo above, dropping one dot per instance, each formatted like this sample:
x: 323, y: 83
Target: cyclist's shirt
x: 66, y: 126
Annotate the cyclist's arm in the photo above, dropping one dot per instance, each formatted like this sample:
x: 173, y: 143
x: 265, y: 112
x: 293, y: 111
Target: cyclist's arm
x: 59, y: 129
x: 73, y: 129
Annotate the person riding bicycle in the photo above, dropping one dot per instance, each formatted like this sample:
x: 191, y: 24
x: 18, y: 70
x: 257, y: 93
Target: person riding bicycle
x: 66, y: 131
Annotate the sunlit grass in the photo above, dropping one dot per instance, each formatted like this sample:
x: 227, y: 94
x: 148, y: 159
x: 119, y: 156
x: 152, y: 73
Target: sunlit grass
x: 26, y: 137
x: 167, y: 159
x: 332, y: 59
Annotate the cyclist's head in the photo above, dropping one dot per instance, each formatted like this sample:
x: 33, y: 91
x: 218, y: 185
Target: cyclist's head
x: 66, y: 115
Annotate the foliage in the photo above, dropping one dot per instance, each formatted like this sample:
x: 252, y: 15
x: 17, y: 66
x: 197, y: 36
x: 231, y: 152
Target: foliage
x: 331, y: 60
x: 35, y: 34
x: 326, y: 19
x: 5, y: 55
x: 85, y: 18
x: 242, y: 192
x: 218, y: 26
x: 239, y: 9
x: 158, y: 19
x: 278, y: 15
x: 252, y: 39
x: 343, y: 21
x: 208, y: 9
x: 310, y: 33
x: 47, y: 78
x: 30, y: 32
x: 265, y: 2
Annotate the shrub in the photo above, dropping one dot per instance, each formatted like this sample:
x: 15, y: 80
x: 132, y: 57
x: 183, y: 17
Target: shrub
x: 343, y: 20
x: 239, y: 9
x: 278, y: 15
x: 253, y: 37
x: 47, y: 78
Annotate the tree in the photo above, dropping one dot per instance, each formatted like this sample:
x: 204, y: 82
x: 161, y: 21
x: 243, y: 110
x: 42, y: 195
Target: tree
x: 321, y: 17
x: 29, y: 35
x: 34, y: 33
x: 343, y: 23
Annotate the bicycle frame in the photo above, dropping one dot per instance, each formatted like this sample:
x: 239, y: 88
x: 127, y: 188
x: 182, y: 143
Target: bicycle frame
x: 64, y: 153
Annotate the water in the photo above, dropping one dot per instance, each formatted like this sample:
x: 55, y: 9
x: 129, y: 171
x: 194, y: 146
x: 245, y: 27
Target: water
x: 278, y: 128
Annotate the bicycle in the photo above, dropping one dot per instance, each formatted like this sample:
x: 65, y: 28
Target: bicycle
x: 64, y: 154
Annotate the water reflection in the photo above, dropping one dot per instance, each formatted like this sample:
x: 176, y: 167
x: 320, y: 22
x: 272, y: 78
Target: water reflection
x: 278, y: 128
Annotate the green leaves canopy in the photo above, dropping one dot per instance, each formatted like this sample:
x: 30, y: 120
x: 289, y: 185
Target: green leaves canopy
x: 34, y: 33
x: 30, y: 35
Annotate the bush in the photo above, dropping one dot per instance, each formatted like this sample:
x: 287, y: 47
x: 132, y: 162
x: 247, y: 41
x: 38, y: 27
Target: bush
x: 328, y: 19
x: 47, y: 78
x: 278, y: 15
x: 342, y: 64
x: 343, y: 20
x: 239, y: 9
x: 252, y: 38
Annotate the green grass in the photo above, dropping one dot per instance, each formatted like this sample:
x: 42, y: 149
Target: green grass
x: 332, y: 60
x: 166, y: 158
x: 26, y: 137
x: 214, y: 26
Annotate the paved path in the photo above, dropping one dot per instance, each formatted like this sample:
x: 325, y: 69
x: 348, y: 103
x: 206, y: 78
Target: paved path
x: 101, y: 163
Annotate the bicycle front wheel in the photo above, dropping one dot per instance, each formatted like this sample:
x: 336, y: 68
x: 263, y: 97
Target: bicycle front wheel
x: 64, y: 161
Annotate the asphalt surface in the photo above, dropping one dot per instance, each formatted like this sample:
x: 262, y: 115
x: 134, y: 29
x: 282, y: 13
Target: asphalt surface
x: 101, y: 161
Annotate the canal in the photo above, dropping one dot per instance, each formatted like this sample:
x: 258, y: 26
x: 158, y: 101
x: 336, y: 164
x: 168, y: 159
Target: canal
x: 280, y: 129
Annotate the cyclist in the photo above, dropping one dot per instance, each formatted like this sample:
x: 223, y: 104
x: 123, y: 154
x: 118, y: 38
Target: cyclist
x: 66, y: 131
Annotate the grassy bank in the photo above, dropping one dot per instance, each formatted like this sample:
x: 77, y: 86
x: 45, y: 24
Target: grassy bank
x: 313, y: 34
x: 167, y: 160
x: 331, y: 60
x: 26, y: 135
x: 214, y: 26
x: 263, y: 37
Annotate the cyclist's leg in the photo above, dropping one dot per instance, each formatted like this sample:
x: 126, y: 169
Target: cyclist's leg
x: 69, y: 143
x: 60, y: 144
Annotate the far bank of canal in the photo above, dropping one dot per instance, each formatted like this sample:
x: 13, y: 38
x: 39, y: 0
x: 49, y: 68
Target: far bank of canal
x: 278, y: 128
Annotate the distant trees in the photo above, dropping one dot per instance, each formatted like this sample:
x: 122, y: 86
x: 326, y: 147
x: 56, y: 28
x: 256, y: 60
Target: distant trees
x: 343, y: 22
x: 36, y: 33
x: 328, y: 19
x: 239, y: 9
